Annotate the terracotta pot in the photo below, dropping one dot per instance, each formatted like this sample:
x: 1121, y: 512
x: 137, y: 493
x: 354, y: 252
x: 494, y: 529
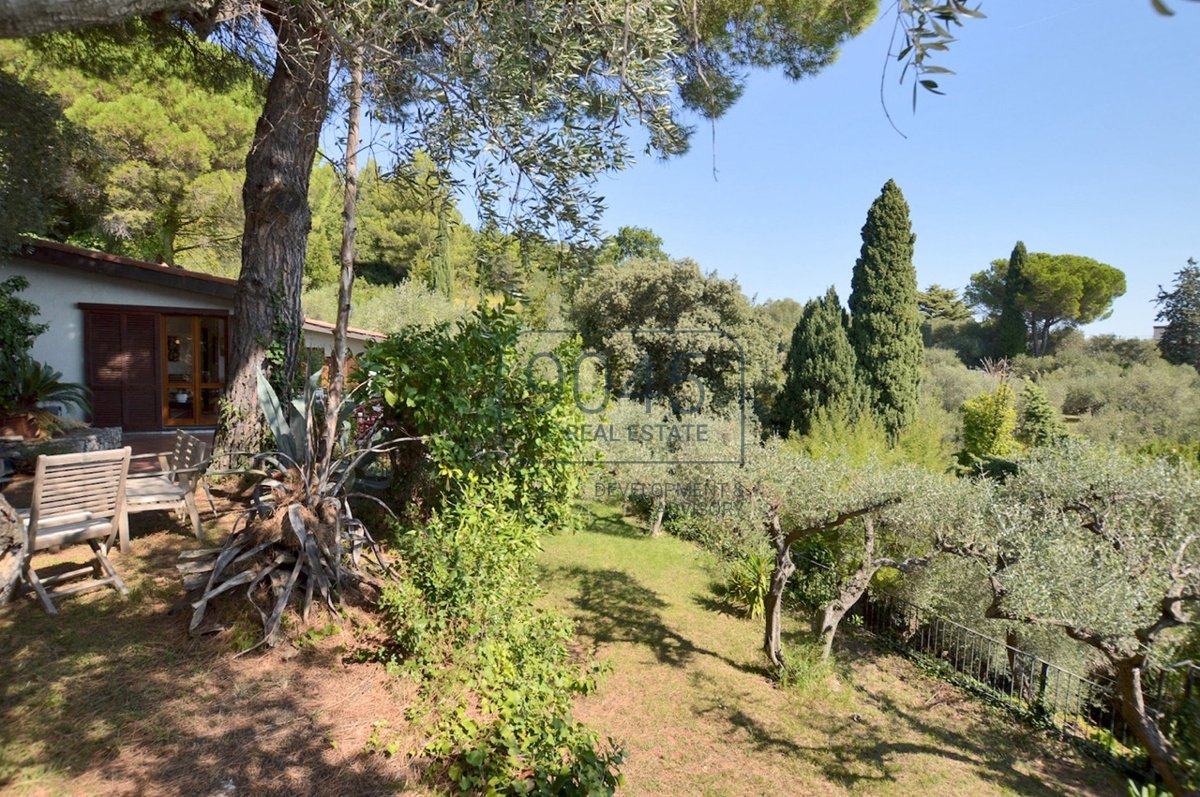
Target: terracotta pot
x: 21, y: 425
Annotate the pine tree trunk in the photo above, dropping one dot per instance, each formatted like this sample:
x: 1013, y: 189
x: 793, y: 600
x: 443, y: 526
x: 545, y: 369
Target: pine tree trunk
x: 267, y: 304
x: 337, y: 379
x: 1133, y: 708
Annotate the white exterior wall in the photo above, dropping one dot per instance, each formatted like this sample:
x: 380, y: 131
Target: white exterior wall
x: 58, y: 292
x: 320, y: 339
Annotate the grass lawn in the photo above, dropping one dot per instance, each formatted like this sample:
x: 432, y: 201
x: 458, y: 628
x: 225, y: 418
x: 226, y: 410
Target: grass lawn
x: 692, y: 705
x: 113, y: 697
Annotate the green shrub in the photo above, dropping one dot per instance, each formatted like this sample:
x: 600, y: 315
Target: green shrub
x: 749, y: 580
x: 496, y: 675
x: 806, y: 671
x: 17, y: 333
x: 989, y: 423
x: 466, y: 393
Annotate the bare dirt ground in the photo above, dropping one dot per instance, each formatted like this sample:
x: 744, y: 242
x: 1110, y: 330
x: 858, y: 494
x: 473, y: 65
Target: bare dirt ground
x: 113, y: 696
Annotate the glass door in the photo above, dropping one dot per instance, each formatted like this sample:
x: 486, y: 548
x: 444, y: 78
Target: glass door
x: 194, y: 376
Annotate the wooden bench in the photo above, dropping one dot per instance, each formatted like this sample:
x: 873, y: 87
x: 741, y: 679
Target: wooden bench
x: 76, y: 498
x: 173, y: 487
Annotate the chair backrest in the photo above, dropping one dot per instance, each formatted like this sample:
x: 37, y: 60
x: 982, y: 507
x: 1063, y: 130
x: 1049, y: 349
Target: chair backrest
x: 88, y: 485
x: 188, y: 453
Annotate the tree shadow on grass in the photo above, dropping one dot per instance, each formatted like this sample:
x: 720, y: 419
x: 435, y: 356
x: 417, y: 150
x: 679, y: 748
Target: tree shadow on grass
x: 612, y: 523
x: 112, y: 696
x: 613, y: 606
x: 883, y: 748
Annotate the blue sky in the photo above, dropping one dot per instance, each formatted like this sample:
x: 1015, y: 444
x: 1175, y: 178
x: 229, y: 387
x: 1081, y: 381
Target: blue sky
x: 1072, y: 125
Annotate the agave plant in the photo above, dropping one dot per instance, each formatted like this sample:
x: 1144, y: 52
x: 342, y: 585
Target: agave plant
x: 299, y: 538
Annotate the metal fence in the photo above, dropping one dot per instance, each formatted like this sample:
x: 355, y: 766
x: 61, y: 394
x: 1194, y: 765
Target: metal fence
x: 1086, y: 709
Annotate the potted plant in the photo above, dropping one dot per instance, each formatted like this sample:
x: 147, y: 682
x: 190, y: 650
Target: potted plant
x: 21, y: 408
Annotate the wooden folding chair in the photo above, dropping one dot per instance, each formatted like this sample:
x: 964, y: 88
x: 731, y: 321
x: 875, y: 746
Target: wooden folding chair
x: 173, y: 487
x: 76, y: 498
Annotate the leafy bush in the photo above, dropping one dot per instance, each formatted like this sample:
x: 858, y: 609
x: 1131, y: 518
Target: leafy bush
x: 749, y: 580
x: 806, y: 671
x: 989, y: 424
x: 467, y: 394
x: 17, y: 333
x: 496, y: 674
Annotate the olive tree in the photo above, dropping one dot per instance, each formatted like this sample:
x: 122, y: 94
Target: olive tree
x: 1105, y: 549
x: 879, y: 517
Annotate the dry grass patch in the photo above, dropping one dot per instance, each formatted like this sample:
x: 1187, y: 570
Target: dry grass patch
x: 689, y: 697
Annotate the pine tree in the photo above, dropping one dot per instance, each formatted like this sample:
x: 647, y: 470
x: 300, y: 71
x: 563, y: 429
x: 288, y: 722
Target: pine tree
x: 1012, y: 335
x: 885, y: 325
x: 1040, y: 423
x: 1180, y: 308
x: 820, y: 368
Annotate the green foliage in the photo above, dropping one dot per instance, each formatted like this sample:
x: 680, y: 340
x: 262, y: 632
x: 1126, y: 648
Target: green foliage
x: 989, y: 424
x: 38, y: 383
x: 496, y: 674
x: 1012, y: 335
x: 1040, y: 423
x: 664, y: 326
x: 969, y: 340
x: 1053, y: 290
x: 820, y: 372
x: 800, y: 36
x: 938, y: 303
x: 885, y: 326
x: 17, y: 333
x: 1096, y: 539
x: 387, y: 308
x: 479, y: 414
x: 1180, y: 308
x: 1173, y: 451
x: 33, y: 166
x: 1126, y: 404
x: 631, y: 243
x: 806, y: 672
x: 171, y: 120
x: 749, y: 580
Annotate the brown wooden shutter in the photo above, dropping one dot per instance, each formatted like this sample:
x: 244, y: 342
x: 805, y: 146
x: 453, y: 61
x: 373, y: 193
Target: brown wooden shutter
x: 121, y: 361
x: 142, y: 407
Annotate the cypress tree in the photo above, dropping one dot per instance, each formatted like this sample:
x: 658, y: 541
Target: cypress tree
x: 820, y: 369
x: 1012, y: 336
x: 1180, y: 308
x: 885, y: 324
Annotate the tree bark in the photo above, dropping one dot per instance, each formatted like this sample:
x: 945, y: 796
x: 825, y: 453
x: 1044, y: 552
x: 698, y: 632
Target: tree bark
x: 1162, y: 753
x: 659, y: 510
x: 832, y: 613
x: 773, y: 609
x: 267, y: 304
x: 337, y: 379
x: 22, y: 18
x: 12, y: 538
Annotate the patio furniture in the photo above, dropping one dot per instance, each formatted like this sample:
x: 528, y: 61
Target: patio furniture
x: 173, y: 487
x: 76, y: 498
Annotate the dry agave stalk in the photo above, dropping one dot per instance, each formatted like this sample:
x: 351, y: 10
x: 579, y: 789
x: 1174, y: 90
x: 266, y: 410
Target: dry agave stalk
x: 299, y: 537
x: 283, y: 548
